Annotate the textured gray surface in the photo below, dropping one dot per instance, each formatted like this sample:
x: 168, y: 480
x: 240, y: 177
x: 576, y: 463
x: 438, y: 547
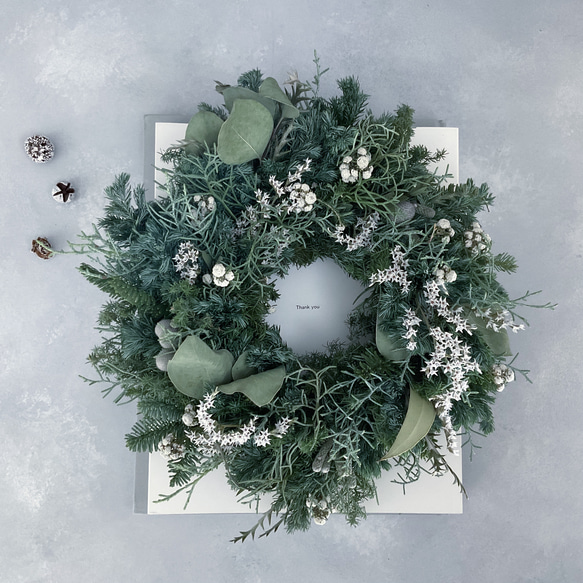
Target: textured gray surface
x: 508, y: 74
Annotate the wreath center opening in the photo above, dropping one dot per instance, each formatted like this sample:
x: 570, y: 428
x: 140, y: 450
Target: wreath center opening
x: 314, y: 305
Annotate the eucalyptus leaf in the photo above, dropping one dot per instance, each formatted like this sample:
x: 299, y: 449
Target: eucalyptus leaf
x: 259, y: 388
x: 231, y: 94
x: 245, y: 135
x: 203, y: 129
x: 418, y: 421
x: 390, y: 346
x: 195, y: 365
x: 270, y: 88
x: 241, y: 369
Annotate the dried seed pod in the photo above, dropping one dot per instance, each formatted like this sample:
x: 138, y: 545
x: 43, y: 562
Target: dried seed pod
x: 63, y: 192
x: 39, y: 148
x: 405, y: 211
x: 321, y: 462
x: 425, y: 211
x: 42, y: 248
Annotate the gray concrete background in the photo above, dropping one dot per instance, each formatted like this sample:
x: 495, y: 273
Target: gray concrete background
x: 507, y: 73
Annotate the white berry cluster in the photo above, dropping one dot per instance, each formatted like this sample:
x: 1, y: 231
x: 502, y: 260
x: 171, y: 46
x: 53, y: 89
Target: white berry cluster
x: 170, y: 449
x: 354, y: 167
x: 502, y: 375
x: 221, y: 277
x: 443, y: 230
x: 301, y: 198
x: 397, y: 273
x: 410, y: 322
x: 186, y: 261
x: 444, y: 274
x: 319, y: 509
x: 363, y: 232
x: 206, y: 204
x: 476, y: 240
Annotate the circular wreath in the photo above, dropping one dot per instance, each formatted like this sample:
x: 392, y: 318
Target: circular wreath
x: 278, y: 178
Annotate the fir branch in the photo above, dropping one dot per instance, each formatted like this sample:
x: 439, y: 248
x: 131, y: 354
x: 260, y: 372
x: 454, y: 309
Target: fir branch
x: 251, y: 80
x: 260, y: 524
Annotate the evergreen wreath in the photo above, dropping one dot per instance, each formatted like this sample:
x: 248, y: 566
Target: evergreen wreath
x: 278, y: 178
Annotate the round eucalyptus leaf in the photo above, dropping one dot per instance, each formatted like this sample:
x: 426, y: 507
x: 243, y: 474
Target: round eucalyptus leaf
x: 270, y: 88
x: 245, y: 135
x: 203, y: 129
x: 259, y: 388
x: 241, y: 369
x: 231, y: 94
x: 196, y: 365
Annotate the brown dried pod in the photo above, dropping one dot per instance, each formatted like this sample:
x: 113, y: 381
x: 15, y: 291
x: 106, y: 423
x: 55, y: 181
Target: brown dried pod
x: 42, y: 248
x: 63, y: 192
x: 39, y: 148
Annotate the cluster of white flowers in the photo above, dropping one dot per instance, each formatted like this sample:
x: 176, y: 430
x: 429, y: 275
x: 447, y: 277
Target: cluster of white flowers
x: 397, y: 273
x: 443, y: 230
x: 186, y: 261
x: 291, y: 196
x: 170, y: 449
x: 363, y: 232
x: 444, y: 274
x: 262, y: 438
x: 221, y: 277
x: 283, y: 236
x: 499, y: 320
x: 249, y: 218
x: 206, y: 204
x: 296, y: 196
x: 476, y: 240
x: 452, y: 357
x: 411, y: 321
x: 431, y: 291
x: 214, y: 439
x: 282, y: 427
x: 354, y: 167
x: 319, y: 509
x: 503, y: 375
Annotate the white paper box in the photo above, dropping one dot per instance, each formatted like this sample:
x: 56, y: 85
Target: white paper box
x: 212, y: 495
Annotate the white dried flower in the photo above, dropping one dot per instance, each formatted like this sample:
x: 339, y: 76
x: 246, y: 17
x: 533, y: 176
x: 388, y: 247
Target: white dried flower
x: 219, y: 270
x: 410, y: 322
x: 262, y: 438
x: 222, y: 277
x: 397, y: 273
x: 186, y: 262
x: 282, y: 427
x: 363, y: 232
